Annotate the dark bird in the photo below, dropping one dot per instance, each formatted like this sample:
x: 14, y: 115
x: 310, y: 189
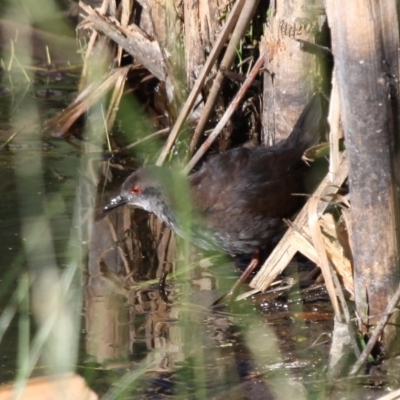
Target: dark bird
x: 238, y: 198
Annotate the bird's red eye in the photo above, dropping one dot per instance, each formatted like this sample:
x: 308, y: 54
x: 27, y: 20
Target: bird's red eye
x: 136, y: 189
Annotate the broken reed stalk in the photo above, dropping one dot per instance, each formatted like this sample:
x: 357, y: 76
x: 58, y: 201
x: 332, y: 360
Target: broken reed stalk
x: 228, y: 113
x: 217, y: 48
x: 226, y: 63
x: 287, y: 248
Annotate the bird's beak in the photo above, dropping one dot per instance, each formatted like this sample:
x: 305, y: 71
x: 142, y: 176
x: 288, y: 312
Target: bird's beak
x: 114, y: 203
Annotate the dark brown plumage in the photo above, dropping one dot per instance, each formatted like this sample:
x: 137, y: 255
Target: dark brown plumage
x: 238, y: 198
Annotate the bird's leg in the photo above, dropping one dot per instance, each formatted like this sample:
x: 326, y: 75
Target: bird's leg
x: 161, y: 286
x: 230, y: 296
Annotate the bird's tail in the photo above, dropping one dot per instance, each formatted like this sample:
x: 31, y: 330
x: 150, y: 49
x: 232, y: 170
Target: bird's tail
x: 310, y: 125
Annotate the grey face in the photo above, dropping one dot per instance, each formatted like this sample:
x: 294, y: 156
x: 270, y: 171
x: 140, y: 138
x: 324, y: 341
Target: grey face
x: 148, y: 188
x: 143, y: 190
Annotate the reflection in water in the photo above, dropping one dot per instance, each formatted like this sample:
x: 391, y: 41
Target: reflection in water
x: 183, y: 348
x: 142, y: 345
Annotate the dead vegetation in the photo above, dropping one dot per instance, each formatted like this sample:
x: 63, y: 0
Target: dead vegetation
x: 189, y: 52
